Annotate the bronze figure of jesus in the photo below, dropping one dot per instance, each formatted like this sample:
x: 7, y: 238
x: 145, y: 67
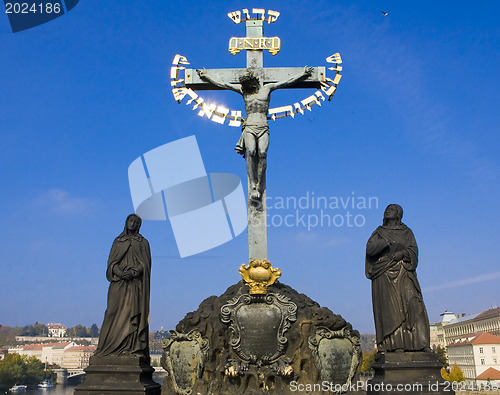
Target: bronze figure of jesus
x: 254, y: 139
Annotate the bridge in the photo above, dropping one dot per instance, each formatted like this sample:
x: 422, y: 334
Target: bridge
x: 69, y: 376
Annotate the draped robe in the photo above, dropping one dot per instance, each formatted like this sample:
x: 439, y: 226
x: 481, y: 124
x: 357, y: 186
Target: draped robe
x: 125, y: 329
x: 401, y: 321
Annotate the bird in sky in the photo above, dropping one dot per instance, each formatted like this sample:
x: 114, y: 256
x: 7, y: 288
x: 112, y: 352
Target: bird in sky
x: 385, y: 13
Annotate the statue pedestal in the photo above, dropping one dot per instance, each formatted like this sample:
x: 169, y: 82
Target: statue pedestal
x: 278, y: 343
x: 121, y: 374
x: 413, y: 373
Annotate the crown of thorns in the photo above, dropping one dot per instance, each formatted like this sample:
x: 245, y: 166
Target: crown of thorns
x: 248, y: 76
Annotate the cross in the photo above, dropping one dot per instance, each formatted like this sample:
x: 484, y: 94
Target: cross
x: 255, y: 83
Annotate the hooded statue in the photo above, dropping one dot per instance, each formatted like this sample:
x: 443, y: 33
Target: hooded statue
x: 401, y: 322
x: 125, y: 329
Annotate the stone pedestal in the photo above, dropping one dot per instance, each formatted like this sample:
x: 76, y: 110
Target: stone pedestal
x: 412, y: 373
x: 279, y: 343
x: 114, y: 375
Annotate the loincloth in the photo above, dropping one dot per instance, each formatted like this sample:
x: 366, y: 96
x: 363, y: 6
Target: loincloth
x: 256, y: 131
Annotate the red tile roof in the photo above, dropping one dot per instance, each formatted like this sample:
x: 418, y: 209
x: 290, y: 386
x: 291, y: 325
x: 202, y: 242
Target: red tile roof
x: 483, y: 338
x: 489, y: 313
x: 56, y: 326
x: 39, y: 346
x: 486, y: 338
x: 82, y: 348
x: 489, y: 373
x: 32, y: 347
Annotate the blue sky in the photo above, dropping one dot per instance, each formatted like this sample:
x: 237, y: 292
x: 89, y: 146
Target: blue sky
x: 415, y: 121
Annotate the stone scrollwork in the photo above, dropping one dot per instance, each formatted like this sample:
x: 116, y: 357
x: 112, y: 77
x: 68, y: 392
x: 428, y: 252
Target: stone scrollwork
x: 257, y: 325
x: 336, y: 354
x: 184, y: 358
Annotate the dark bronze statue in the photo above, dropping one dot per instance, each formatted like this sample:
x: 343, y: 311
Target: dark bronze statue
x: 125, y: 329
x: 254, y: 139
x: 401, y: 321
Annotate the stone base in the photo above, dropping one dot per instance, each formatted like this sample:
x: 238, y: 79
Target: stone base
x: 241, y: 344
x: 412, y: 373
x: 114, y: 375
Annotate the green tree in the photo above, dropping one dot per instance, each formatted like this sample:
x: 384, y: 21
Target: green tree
x: 11, y: 370
x: 8, y: 335
x: 94, y: 331
x: 19, y: 369
x: 441, y: 352
x: 34, y: 370
x: 368, y: 361
x: 77, y: 331
x: 455, y: 374
x: 36, y: 329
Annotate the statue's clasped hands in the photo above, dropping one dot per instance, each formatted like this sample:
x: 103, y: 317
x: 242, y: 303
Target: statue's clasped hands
x: 398, y: 255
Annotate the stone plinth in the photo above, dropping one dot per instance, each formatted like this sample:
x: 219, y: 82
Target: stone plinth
x: 114, y: 375
x: 274, y: 343
x: 412, y: 373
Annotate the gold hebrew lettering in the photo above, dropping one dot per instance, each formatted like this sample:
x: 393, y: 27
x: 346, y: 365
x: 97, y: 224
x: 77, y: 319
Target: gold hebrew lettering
x: 337, y: 78
x: 235, y: 118
x: 298, y: 108
x: 260, y: 11
x: 175, y: 82
x: 328, y: 89
x: 220, y: 110
x: 309, y: 101
x: 180, y: 93
x: 320, y: 97
x: 273, y: 16
x: 179, y: 59
x: 174, y: 70
x: 206, y: 110
x: 197, y: 102
x: 335, y: 58
x: 283, y: 109
x: 245, y: 11
x: 235, y: 16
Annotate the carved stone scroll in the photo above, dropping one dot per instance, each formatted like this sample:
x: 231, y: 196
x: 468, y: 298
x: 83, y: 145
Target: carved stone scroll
x: 258, y: 324
x: 336, y: 355
x: 184, y: 358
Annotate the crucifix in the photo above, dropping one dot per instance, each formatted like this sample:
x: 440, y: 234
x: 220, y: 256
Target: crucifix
x: 255, y: 83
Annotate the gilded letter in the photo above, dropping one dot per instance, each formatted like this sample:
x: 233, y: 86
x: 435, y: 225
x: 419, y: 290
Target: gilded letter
x: 235, y: 118
x: 206, y: 110
x: 235, y: 16
x: 220, y: 110
x: 335, y: 58
x: 273, y: 15
x: 245, y: 11
x: 260, y: 11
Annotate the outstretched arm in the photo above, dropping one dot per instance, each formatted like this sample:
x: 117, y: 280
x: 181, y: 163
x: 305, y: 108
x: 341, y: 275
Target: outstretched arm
x: 307, y: 72
x: 221, y: 84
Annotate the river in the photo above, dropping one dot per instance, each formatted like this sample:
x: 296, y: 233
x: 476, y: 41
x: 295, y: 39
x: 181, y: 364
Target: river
x: 56, y: 390
x: 66, y: 389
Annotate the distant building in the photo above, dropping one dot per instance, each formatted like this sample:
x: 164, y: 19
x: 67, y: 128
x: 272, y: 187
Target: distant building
x: 77, y: 357
x: 478, y: 358
x: 437, y: 329
x: 465, y: 327
x: 65, y: 354
x: 56, y: 330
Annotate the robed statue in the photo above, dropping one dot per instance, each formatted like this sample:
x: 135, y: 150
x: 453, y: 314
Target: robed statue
x: 401, y: 321
x: 125, y: 329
